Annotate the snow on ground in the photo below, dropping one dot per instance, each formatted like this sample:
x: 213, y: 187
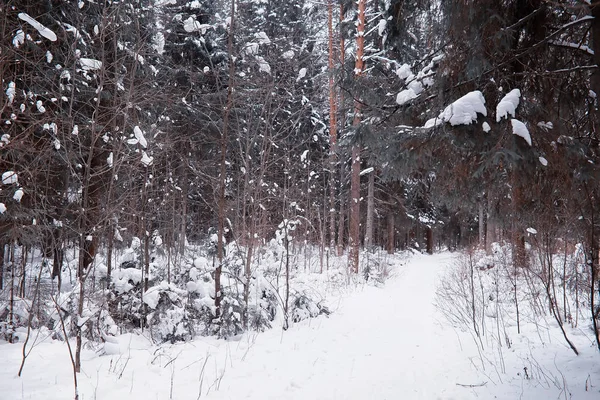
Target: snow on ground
x: 380, y: 343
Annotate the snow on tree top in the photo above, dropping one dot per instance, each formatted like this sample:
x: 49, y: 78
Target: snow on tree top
x: 508, y: 105
x: 520, y: 129
x: 44, y: 31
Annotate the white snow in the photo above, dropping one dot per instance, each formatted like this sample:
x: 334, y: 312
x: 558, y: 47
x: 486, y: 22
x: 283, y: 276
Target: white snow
x: 301, y: 74
x: 262, y: 38
x: 263, y: 65
x: 2, y: 208
x: 139, y: 135
x: 146, y: 160
x: 404, y: 71
x: 44, y: 31
x: 49, y: 57
x: 520, y: 129
x: 191, y: 25
x: 89, y: 64
x: 546, y: 126
x: 251, y: 48
x: 392, y: 342
x: 288, y: 55
x: 152, y: 296
x: 10, y: 177
x: 19, y: 38
x: 303, y: 156
x: 366, y: 171
x: 531, y: 230
x: 158, y: 42
x: 508, y: 105
x: 18, y: 195
x: 405, y: 96
x: 381, y: 27
x: 40, y: 106
x: 110, y: 159
x: 486, y: 127
x: 10, y: 92
x: 543, y: 161
x: 462, y: 112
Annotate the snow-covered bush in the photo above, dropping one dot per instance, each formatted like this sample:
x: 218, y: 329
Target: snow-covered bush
x: 169, y: 319
x: 304, y: 307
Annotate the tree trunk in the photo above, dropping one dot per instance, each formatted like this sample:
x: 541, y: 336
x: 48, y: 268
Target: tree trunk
x: 391, y: 230
x: 595, y: 85
x: 481, y: 222
x: 370, y: 211
x: 354, y: 227
x: 429, y: 237
x: 222, y: 177
x: 183, y: 221
x: 341, y: 225
x: 332, y: 129
x: 2, y: 265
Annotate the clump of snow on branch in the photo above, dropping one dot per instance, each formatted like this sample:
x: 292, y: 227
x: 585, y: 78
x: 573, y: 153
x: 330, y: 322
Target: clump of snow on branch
x: 146, y: 160
x: 520, y: 129
x: 10, y: 177
x: 508, y: 105
x: 415, y: 84
x: 19, y: 38
x: 44, y: 31
x: 462, y: 112
x: 543, y: 161
x: 262, y: 38
x: 10, y: 92
x: 139, y: 135
x: 89, y: 64
x: 2, y: 208
x: 301, y: 74
x: 18, y: 195
x: 191, y: 25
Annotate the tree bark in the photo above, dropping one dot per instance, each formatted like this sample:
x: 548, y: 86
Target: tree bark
x: 594, y: 246
x: 222, y: 177
x: 354, y: 228
x: 391, y: 230
x: 332, y: 128
x: 429, y: 238
x: 481, y: 222
x: 370, y: 211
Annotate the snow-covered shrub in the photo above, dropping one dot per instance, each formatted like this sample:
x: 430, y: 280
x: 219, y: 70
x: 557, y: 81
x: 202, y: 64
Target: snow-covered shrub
x: 169, y: 319
x: 229, y: 324
x: 262, y: 310
x: 304, y: 307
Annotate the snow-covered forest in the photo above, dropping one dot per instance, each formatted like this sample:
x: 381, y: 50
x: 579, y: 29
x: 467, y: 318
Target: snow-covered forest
x: 332, y: 199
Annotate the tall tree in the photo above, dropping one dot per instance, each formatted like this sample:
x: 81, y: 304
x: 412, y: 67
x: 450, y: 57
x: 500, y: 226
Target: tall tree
x: 354, y: 232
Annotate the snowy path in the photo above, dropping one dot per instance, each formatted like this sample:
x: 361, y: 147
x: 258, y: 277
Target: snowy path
x: 381, y: 344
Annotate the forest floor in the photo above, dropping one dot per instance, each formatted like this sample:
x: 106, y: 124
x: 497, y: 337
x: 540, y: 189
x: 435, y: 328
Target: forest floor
x: 380, y: 343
